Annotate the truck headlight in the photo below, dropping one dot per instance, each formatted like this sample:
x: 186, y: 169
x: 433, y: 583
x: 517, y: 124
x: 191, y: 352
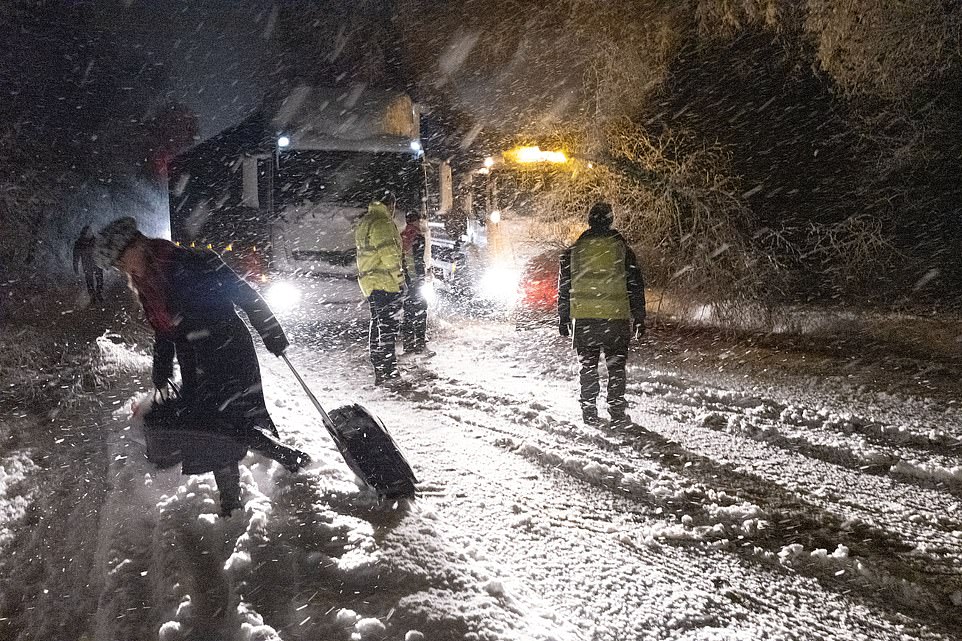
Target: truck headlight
x: 282, y: 296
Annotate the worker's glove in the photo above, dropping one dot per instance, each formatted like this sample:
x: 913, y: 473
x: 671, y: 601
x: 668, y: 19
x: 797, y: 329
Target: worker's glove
x: 639, y: 328
x: 276, y: 343
x: 564, y: 327
x: 163, y: 394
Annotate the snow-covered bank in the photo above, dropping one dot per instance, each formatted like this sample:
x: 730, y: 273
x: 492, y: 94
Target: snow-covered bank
x: 920, y: 332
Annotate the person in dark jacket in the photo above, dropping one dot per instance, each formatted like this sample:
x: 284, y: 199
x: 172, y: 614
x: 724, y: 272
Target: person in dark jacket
x: 415, y: 321
x: 602, y: 291
x: 189, y: 298
x: 83, y: 256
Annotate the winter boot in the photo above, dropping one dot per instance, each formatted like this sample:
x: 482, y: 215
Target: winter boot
x: 291, y: 459
x: 387, y: 379
x: 228, y: 485
x: 590, y: 416
x: 396, y: 384
x: 295, y: 461
x: 619, y: 418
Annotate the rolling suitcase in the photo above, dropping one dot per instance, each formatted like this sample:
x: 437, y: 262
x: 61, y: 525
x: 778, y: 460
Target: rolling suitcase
x: 366, y: 446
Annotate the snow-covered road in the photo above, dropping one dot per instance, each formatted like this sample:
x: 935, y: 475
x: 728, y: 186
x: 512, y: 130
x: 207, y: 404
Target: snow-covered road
x: 741, y: 505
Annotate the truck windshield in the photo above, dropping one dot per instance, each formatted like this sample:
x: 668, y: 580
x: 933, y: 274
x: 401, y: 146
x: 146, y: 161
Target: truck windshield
x: 348, y: 178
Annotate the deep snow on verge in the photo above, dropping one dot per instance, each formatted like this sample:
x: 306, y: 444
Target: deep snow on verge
x: 735, y: 508
x: 311, y: 556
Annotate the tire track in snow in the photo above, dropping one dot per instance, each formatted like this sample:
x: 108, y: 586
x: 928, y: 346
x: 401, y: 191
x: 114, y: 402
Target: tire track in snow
x: 684, y: 391
x: 549, y: 501
x: 770, y: 517
x: 505, y: 353
x: 928, y: 495
x: 771, y: 422
x: 794, y: 520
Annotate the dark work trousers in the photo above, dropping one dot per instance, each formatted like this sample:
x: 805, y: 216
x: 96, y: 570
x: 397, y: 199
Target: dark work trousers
x: 592, y: 338
x: 95, y: 283
x: 385, y: 325
x: 415, y: 324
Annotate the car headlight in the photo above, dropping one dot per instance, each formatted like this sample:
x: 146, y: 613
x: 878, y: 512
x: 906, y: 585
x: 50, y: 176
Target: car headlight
x: 282, y: 296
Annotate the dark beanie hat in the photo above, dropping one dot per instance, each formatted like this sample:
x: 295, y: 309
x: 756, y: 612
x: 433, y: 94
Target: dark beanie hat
x: 600, y: 216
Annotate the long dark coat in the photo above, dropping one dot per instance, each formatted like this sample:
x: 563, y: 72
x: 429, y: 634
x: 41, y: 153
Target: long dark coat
x: 221, y: 381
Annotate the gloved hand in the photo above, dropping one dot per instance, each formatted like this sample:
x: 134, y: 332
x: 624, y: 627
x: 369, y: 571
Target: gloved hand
x: 162, y: 393
x: 276, y: 343
x: 564, y: 327
x: 639, y: 329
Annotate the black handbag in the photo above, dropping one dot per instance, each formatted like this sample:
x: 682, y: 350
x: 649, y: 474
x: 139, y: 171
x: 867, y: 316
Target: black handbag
x: 176, y: 431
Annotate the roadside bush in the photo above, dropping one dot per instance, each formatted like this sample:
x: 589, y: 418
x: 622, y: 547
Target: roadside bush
x: 855, y: 255
x: 24, y: 358
x: 49, y: 368
x: 678, y: 207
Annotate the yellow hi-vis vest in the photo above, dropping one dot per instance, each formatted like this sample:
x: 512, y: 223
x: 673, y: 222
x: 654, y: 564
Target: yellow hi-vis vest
x: 378, y: 251
x: 599, y: 286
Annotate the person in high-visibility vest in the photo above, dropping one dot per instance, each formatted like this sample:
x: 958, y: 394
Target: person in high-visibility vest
x: 381, y: 277
x: 602, y: 291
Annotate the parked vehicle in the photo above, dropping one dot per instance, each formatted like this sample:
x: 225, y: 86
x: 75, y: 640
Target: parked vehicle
x: 279, y: 194
x: 538, y: 290
x: 448, y: 260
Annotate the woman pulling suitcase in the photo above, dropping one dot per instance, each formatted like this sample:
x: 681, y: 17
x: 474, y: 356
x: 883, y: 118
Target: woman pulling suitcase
x: 188, y: 297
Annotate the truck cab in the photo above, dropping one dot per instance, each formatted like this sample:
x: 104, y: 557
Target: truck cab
x: 279, y: 195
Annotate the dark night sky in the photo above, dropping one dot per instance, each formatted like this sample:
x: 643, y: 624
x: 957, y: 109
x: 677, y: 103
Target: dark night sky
x: 218, y: 54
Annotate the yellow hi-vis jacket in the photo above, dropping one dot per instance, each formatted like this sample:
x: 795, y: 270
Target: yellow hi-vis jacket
x: 599, y: 286
x: 599, y: 277
x: 379, y: 257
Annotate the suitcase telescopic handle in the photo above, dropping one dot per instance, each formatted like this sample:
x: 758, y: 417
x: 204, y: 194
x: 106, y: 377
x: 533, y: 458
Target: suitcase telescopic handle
x: 328, y: 423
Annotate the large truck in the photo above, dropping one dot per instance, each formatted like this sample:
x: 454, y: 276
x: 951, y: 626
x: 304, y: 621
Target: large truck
x: 279, y: 195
